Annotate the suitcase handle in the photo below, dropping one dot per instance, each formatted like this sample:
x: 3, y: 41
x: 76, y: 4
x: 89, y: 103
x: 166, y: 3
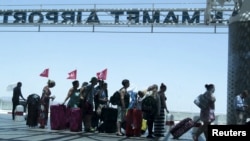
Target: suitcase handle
x: 109, y: 104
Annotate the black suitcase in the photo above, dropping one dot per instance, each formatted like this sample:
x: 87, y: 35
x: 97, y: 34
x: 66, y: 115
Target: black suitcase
x: 182, y: 127
x: 33, y: 105
x: 109, y: 119
x: 107, y: 127
x: 109, y: 114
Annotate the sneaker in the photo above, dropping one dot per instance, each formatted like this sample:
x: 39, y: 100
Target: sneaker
x: 90, y: 130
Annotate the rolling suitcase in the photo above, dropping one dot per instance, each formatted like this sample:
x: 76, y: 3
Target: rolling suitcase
x: 133, y: 122
x: 107, y: 111
x: 33, y: 104
x: 182, y: 127
x: 107, y: 127
x: 75, y: 124
x: 109, y: 118
x: 58, y: 117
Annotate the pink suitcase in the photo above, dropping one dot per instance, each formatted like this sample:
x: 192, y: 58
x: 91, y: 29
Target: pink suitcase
x: 182, y: 127
x: 75, y: 123
x: 58, y: 117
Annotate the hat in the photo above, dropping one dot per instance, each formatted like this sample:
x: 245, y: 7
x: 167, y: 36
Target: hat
x: 93, y: 79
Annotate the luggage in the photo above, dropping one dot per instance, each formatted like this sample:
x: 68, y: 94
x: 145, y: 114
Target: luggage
x: 33, y: 105
x: 107, y: 127
x: 133, y: 122
x: 67, y: 117
x: 107, y: 112
x: 58, y: 117
x: 202, y: 101
x: 19, y: 116
x: 109, y: 118
x: 24, y: 104
x: 182, y: 127
x: 75, y: 124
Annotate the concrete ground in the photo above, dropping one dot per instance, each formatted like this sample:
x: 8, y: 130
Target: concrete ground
x: 18, y: 131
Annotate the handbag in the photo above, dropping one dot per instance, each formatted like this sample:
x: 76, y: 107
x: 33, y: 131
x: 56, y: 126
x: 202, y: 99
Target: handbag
x: 144, y: 126
x: 201, y: 101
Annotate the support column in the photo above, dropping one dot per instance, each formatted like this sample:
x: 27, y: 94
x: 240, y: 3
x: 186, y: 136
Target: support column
x: 238, y: 57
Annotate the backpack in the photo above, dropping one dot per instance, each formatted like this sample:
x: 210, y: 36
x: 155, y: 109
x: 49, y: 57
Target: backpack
x: 115, y: 98
x: 202, y: 101
x: 149, y: 105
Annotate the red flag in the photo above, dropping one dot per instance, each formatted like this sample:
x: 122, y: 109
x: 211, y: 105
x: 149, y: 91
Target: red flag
x: 72, y: 75
x: 102, y: 75
x: 45, y: 73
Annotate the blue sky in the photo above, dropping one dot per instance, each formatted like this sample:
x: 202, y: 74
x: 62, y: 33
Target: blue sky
x: 185, y: 62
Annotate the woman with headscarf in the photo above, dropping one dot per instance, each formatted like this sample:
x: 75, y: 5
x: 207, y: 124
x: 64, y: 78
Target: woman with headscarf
x: 45, y: 99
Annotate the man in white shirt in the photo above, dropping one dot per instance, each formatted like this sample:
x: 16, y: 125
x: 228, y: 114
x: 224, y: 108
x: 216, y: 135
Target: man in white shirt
x: 241, y: 107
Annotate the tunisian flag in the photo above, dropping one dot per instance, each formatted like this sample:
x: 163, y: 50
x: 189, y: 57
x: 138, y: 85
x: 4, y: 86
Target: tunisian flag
x: 45, y: 73
x: 102, y: 75
x: 72, y: 75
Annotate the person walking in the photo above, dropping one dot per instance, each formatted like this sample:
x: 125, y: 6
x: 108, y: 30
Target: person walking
x: 207, y: 115
x: 240, y: 107
x: 17, y: 93
x: 45, y: 99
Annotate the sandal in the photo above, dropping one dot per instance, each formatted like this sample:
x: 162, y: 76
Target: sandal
x: 119, y: 134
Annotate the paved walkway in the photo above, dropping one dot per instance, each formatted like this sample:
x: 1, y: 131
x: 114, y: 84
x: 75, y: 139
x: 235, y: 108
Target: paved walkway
x: 18, y: 131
